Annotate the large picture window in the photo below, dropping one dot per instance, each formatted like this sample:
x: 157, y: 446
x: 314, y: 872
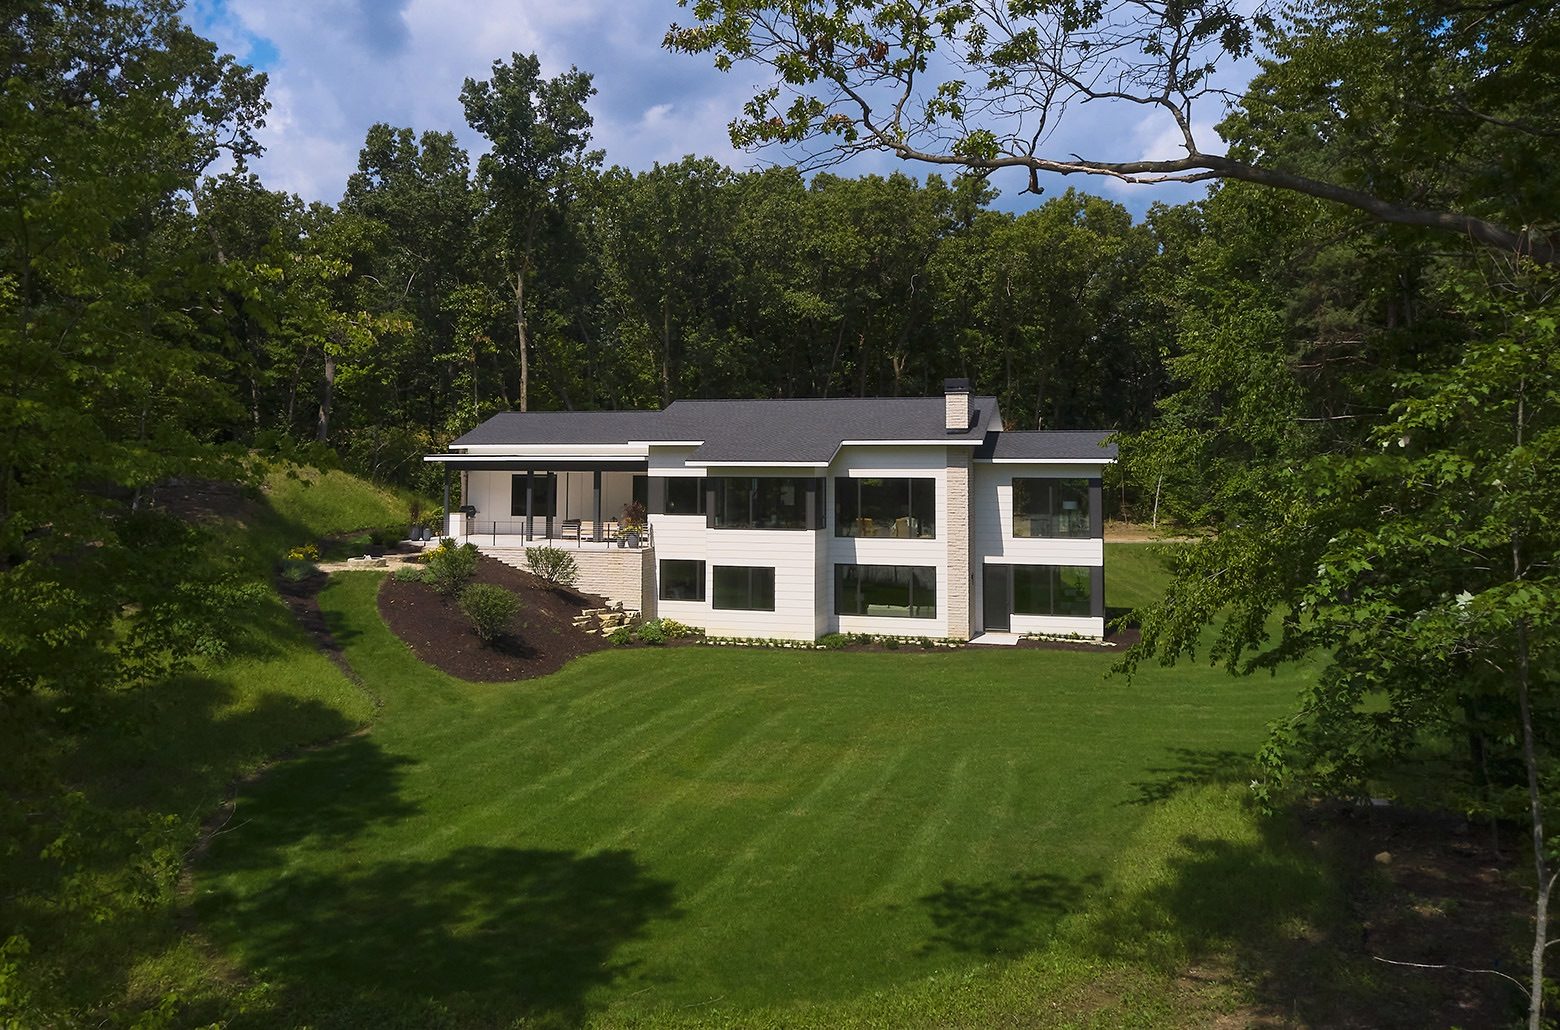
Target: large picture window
x: 903, y: 508
x: 541, y: 495
x: 1051, y: 508
x: 684, y: 496
x: 894, y: 591
x: 744, y: 588
x: 681, y: 580
x: 1052, y: 590
x: 760, y: 502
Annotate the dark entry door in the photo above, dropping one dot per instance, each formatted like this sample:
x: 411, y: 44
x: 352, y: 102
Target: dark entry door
x: 994, y: 601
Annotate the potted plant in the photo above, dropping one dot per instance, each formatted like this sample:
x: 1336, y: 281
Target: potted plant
x: 633, y: 524
x: 415, y: 511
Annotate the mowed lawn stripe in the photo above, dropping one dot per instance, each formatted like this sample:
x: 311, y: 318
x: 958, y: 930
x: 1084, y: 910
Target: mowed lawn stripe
x: 812, y: 830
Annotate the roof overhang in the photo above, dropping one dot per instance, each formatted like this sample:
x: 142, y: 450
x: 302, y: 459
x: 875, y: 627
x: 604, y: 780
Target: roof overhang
x: 1102, y: 460
x: 550, y: 463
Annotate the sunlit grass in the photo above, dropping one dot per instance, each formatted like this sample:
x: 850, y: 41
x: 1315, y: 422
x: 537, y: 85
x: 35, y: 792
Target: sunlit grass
x: 776, y: 836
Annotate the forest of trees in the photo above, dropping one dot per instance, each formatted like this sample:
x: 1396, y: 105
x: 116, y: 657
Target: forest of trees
x: 1344, y: 362
x: 390, y: 324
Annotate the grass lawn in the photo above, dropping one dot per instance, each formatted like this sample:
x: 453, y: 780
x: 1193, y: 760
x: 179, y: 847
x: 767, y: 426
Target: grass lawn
x: 720, y: 833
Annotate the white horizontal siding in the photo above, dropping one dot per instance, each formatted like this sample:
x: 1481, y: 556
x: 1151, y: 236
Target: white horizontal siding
x: 792, y: 554
x: 1058, y: 625
x: 992, y: 516
x: 673, y: 461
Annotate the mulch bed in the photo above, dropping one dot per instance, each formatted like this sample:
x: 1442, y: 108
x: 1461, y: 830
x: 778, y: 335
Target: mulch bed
x: 438, y: 632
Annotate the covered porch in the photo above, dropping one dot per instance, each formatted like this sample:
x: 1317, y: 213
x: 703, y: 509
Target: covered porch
x: 518, y: 502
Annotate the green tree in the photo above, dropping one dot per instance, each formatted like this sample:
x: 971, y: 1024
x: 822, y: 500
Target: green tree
x: 1457, y: 99
x: 538, y: 130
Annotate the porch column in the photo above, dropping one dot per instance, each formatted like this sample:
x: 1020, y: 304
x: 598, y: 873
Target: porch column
x: 445, y: 529
x: 530, y: 491
x: 596, y: 532
x: 552, y: 501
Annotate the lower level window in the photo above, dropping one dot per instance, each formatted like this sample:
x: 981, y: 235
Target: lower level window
x: 745, y: 588
x: 681, y: 580
x: 1053, y: 590
x: 895, y: 591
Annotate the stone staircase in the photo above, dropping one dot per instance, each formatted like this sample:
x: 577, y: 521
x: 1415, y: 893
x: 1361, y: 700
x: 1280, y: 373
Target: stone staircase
x: 603, y: 621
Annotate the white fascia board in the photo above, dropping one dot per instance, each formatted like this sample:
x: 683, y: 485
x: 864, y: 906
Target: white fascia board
x: 666, y: 443
x: 910, y: 443
x: 557, y: 450
x: 1046, y: 461
x: 583, y: 460
x: 764, y: 465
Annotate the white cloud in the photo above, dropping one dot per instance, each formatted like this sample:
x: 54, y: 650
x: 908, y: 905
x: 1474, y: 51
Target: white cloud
x: 338, y: 66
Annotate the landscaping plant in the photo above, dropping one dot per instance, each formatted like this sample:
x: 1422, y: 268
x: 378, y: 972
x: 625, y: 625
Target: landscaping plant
x: 450, y: 567
x: 553, y: 564
x: 490, y: 608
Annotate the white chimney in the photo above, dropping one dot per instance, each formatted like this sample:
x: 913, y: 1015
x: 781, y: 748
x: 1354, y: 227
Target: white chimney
x: 956, y: 394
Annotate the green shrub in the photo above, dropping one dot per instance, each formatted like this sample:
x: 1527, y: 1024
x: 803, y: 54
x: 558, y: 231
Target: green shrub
x: 834, y: 641
x: 892, y: 643
x: 675, y: 630
x: 553, y: 564
x: 451, y: 567
x: 490, y: 608
x: 408, y: 574
x: 296, y: 570
x: 621, y: 635
x: 927, y: 643
x: 652, y: 632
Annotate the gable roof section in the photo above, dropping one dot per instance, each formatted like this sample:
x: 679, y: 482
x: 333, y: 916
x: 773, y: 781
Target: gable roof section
x: 810, y: 431
x: 562, y: 427
x: 1049, y: 445
x: 800, y: 431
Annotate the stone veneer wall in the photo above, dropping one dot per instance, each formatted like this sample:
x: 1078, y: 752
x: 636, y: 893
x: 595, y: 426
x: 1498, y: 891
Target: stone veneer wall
x: 619, y: 574
x: 958, y: 543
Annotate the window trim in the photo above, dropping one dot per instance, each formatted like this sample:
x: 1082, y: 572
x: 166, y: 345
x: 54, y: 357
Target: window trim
x: 839, y: 572
x: 1050, y: 510
x: 702, y: 580
x: 1052, y: 585
x: 714, y: 591
x: 850, y: 486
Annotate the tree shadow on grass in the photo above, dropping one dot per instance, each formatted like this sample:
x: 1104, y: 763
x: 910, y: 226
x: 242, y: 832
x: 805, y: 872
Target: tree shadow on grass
x: 484, y: 935
x: 1190, y: 767
x: 1000, y: 917
x: 328, y: 797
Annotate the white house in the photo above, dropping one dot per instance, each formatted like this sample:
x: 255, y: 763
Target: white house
x: 792, y: 519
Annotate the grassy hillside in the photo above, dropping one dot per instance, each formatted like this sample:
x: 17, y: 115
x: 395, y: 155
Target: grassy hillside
x: 161, y: 759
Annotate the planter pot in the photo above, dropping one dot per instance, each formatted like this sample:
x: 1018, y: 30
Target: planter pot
x: 630, y: 540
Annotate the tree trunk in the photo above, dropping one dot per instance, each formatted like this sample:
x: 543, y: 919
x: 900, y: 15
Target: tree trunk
x: 322, y: 431
x: 520, y: 328
x: 666, y: 350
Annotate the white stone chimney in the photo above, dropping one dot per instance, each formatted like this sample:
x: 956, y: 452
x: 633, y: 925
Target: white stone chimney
x: 956, y: 394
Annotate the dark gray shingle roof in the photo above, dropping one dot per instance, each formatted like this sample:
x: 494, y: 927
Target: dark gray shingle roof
x: 807, y: 430
x: 582, y: 427
x: 1055, y: 445
x: 811, y: 430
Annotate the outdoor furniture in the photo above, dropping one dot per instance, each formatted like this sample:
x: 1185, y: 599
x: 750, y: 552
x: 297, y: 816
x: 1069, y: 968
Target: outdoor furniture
x: 571, y: 528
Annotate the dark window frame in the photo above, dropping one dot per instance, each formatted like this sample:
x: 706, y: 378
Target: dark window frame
x: 671, y: 485
x: 544, y: 488
x: 749, y: 572
x: 913, y: 610
x: 727, y: 511
x: 1052, y: 588
x: 1044, y: 515
x: 848, y: 507
x: 701, y: 580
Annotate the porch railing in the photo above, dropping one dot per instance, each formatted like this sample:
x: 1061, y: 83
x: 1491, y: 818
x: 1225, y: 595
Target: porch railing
x: 587, y: 535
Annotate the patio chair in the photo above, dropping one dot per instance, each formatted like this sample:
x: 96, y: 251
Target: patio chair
x: 571, y: 529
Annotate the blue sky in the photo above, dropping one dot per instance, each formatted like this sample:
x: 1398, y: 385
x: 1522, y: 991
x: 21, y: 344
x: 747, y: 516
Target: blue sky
x: 338, y: 66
